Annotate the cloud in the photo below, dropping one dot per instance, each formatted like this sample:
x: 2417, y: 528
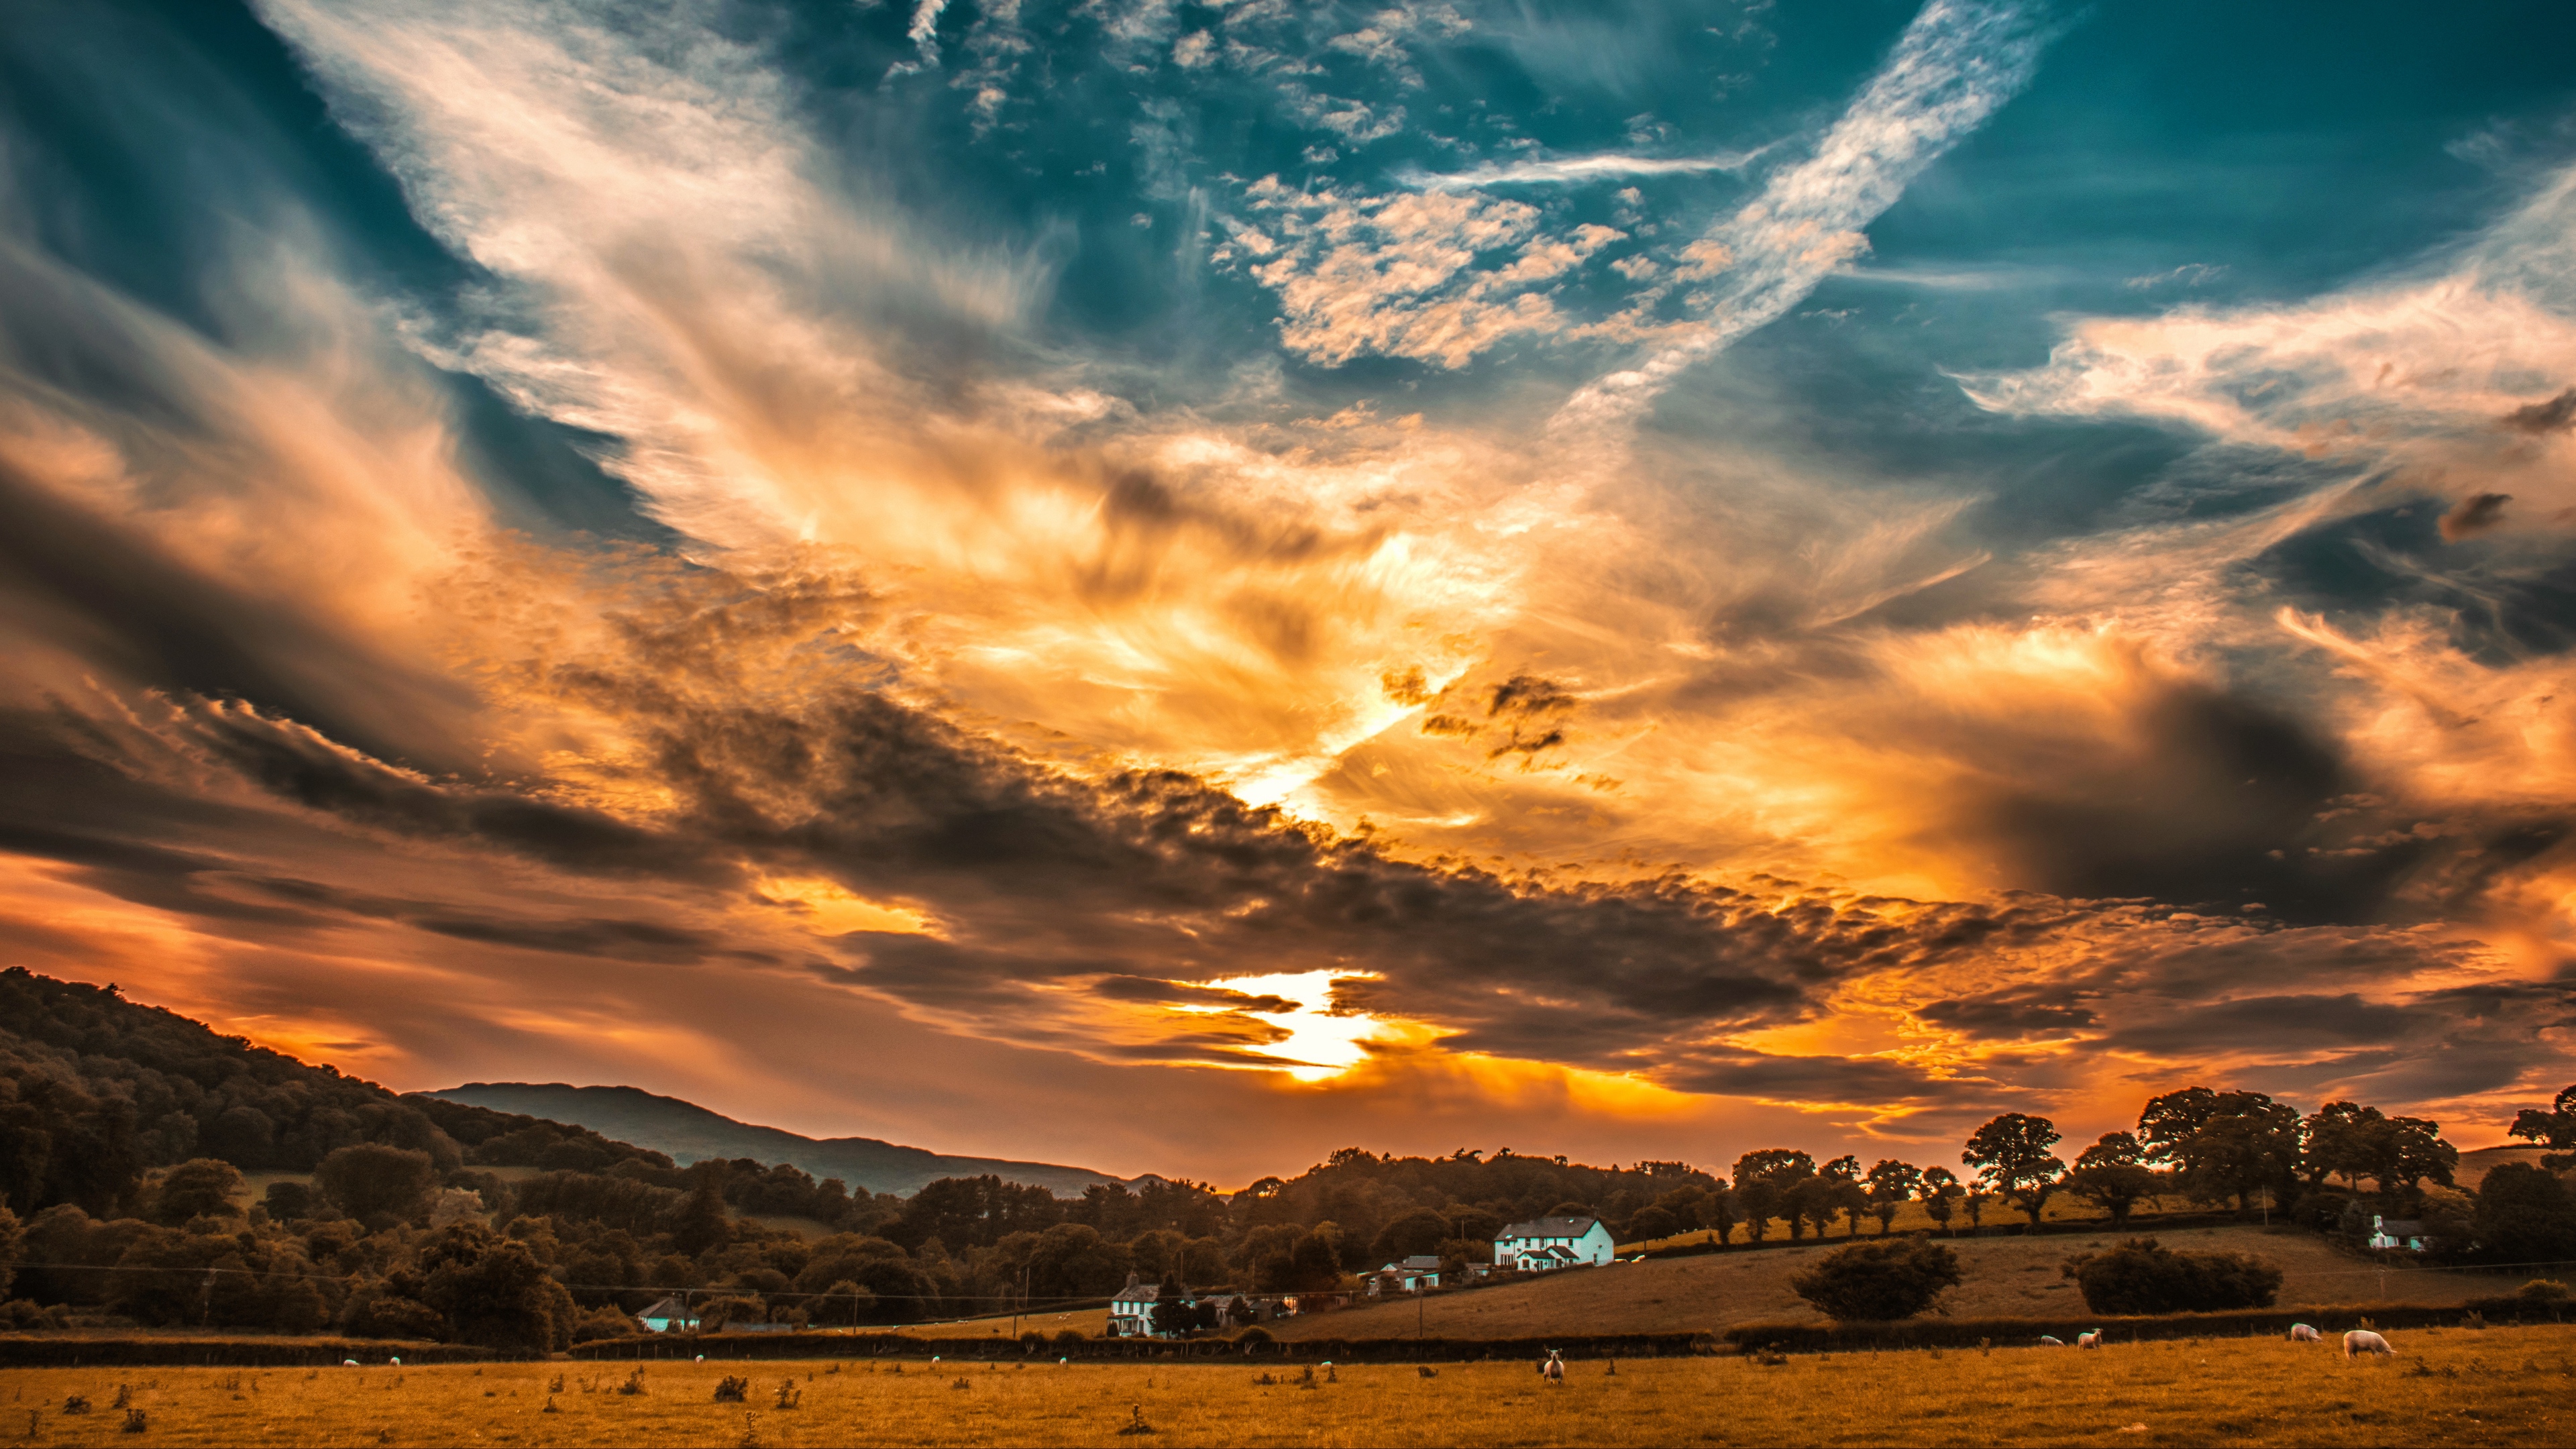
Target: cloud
x: 2474, y: 514
x: 1955, y: 65
x: 1578, y: 170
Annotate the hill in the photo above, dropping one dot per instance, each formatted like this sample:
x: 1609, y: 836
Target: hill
x: 2005, y: 1276
x: 96, y: 1090
x: 690, y: 1133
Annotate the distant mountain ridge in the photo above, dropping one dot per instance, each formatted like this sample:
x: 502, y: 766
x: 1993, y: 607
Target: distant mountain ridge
x: 691, y: 1133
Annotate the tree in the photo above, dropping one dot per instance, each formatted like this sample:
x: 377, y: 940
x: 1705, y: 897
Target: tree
x: 843, y: 1304
x: 2416, y: 1154
x: 2555, y: 1129
x: 1843, y: 1193
x: 372, y: 1181
x: 2524, y: 1215
x: 2012, y: 1158
x: 1764, y: 1181
x: 1879, y: 1281
x: 1648, y: 1224
x: 1940, y: 1195
x: 494, y: 1291
x: 1892, y: 1184
x: 1717, y: 1212
x: 2338, y: 1143
x: 2224, y: 1144
x: 702, y: 1222
x: 2140, y: 1277
x: 2111, y: 1175
x: 201, y: 1187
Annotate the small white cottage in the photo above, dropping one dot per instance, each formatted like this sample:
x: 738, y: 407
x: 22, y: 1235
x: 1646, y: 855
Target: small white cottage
x: 671, y: 1315
x: 2406, y: 1233
x: 1544, y: 1243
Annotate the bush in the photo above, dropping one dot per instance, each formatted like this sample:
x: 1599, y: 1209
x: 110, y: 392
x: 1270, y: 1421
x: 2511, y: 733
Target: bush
x: 1256, y: 1334
x: 1879, y: 1281
x: 1070, y: 1335
x: 2140, y: 1277
x: 2543, y: 1291
x: 601, y: 1323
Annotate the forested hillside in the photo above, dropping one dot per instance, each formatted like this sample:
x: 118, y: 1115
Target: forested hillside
x: 691, y: 1133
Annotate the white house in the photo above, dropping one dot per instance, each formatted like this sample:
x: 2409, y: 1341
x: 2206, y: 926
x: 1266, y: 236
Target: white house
x: 1410, y: 1276
x: 1131, y: 1312
x: 1544, y: 1243
x: 671, y: 1315
x: 2404, y: 1233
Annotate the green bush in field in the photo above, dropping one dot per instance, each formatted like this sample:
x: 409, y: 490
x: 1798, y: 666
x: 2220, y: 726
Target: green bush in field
x: 2141, y: 1277
x: 1879, y: 1280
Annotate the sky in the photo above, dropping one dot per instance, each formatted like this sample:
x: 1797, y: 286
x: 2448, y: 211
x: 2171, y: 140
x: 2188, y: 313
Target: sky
x: 1174, y: 585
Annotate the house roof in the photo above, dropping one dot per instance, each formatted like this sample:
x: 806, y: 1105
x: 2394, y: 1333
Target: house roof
x: 1421, y: 1263
x: 669, y: 1307
x: 1549, y: 1228
x: 2401, y: 1227
x: 1150, y: 1293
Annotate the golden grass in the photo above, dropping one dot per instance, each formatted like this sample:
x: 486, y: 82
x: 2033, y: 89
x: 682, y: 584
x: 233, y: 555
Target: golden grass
x: 2502, y: 1386
x: 1089, y: 1322
x: 2003, y: 1277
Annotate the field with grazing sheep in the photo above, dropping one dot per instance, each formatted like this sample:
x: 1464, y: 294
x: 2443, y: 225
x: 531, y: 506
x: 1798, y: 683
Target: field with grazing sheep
x: 2004, y: 1277
x: 2499, y: 1386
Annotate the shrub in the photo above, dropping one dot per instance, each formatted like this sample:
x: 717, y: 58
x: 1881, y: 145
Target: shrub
x: 601, y: 1323
x: 1070, y: 1335
x: 2543, y: 1291
x: 1256, y: 1334
x: 2140, y: 1277
x: 1880, y: 1280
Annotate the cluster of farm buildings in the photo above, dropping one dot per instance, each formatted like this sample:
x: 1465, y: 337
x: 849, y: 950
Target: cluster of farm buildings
x: 1539, y: 1245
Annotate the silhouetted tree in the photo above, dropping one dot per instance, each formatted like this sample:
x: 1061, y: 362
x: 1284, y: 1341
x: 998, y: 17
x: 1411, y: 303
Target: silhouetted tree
x: 1892, y: 1184
x: 2112, y: 1175
x: 2555, y: 1129
x: 2012, y: 1158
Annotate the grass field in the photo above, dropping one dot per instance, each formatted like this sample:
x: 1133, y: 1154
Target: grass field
x: 2501, y: 1386
x: 2003, y: 1277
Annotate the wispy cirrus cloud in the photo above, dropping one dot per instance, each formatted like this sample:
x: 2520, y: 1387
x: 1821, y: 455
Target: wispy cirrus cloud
x: 1578, y: 170
x: 1955, y: 65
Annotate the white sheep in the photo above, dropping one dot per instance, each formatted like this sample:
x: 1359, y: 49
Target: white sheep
x: 396, y: 1360
x: 2362, y: 1340
x: 2091, y: 1338
x: 1554, y: 1369
x: 2052, y: 1341
x: 2302, y: 1333
x: 348, y: 1363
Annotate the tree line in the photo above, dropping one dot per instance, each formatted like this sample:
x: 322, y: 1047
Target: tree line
x: 407, y: 1227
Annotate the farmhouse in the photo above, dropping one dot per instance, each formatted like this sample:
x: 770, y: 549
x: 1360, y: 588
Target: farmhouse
x: 2406, y: 1233
x: 1131, y: 1313
x: 671, y: 1315
x: 1544, y: 1243
x: 1410, y: 1276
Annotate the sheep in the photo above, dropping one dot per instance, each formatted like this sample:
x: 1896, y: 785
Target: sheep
x: 2302, y: 1333
x: 2091, y: 1338
x: 348, y: 1363
x: 396, y: 1360
x: 1554, y: 1369
x: 2052, y: 1341
x: 2362, y: 1340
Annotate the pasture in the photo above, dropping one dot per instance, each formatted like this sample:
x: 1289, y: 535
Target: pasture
x: 2004, y: 1277
x: 2499, y: 1386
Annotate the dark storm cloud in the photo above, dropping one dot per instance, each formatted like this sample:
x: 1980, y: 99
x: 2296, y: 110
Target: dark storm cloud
x: 2005, y: 1016
x: 1147, y: 989
x: 104, y: 594
x: 2556, y: 415
x: 2274, y: 1024
x: 2474, y: 514
x: 2213, y: 804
